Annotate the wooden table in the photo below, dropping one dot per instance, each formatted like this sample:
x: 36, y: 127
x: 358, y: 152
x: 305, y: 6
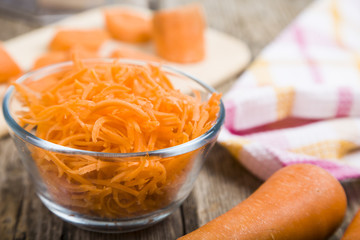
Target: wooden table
x: 222, y: 183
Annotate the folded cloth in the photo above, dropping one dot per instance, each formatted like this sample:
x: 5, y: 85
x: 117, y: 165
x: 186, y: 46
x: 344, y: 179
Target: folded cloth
x: 299, y: 101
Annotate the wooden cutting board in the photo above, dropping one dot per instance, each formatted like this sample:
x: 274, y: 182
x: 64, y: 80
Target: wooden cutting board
x: 226, y: 56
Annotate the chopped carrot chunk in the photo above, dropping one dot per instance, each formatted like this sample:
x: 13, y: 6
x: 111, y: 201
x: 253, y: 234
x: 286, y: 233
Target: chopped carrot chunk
x: 49, y: 58
x: 91, y: 39
x: 133, y: 53
x: 128, y: 25
x: 8, y: 67
x: 53, y: 57
x: 179, y: 34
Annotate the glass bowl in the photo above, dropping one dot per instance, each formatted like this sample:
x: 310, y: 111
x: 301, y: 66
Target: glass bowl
x: 93, y: 204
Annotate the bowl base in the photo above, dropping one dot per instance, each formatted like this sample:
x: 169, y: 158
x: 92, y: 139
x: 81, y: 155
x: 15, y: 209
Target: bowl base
x: 109, y: 225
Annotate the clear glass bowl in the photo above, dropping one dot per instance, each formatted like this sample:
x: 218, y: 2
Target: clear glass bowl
x: 72, y: 201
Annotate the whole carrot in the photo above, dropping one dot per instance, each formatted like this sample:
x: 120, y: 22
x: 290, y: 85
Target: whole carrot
x: 353, y: 230
x: 301, y: 201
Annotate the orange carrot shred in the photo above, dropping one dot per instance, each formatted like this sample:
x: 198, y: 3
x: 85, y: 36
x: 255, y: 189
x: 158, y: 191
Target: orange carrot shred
x: 117, y: 108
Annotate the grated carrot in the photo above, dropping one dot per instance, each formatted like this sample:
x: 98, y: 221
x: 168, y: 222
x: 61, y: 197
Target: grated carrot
x: 118, y: 108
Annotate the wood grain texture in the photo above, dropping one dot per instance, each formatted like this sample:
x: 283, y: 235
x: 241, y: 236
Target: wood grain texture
x: 222, y: 183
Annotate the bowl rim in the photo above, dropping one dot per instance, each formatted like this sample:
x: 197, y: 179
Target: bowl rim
x: 183, y: 148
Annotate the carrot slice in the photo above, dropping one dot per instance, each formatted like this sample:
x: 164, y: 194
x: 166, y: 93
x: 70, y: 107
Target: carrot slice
x: 8, y: 67
x: 118, y: 108
x: 179, y: 34
x: 91, y: 39
x: 128, y: 25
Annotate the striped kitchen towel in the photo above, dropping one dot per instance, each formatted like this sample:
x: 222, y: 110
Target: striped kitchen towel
x: 299, y: 101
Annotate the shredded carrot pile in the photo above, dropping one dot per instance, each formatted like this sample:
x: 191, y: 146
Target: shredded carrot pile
x: 118, y: 108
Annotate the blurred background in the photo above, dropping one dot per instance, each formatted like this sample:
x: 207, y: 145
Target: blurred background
x: 42, y: 12
x: 248, y: 20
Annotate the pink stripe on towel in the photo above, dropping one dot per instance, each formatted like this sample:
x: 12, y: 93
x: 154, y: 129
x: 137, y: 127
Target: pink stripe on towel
x: 299, y: 37
x: 230, y: 111
x: 345, y: 101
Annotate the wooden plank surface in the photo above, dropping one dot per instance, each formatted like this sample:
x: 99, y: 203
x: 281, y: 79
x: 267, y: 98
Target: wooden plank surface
x: 222, y: 183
